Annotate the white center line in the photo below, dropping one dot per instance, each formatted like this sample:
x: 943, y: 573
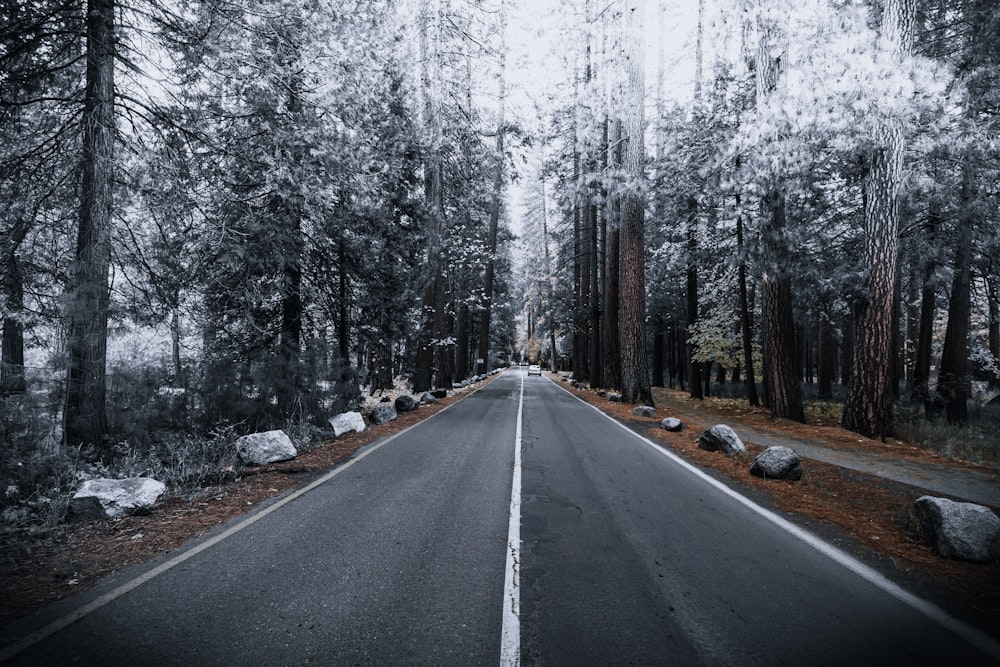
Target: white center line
x: 510, y: 635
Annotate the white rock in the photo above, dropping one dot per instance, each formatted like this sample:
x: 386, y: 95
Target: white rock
x: 960, y: 530
x: 672, y: 424
x: 721, y: 438
x: 347, y: 421
x: 109, y: 498
x: 267, y: 447
x: 777, y: 463
x: 644, y: 411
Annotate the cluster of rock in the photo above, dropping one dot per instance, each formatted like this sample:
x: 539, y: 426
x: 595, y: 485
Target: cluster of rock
x: 110, y: 498
x: 776, y: 462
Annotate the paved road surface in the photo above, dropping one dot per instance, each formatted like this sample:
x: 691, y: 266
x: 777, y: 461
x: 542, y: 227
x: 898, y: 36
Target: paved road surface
x: 626, y: 557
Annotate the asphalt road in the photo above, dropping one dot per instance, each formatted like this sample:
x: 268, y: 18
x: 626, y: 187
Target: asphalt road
x: 626, y: 557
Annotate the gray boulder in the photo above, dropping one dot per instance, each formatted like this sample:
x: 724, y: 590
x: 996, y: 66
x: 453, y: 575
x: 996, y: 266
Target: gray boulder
x: 672, y: 424
x: 347, y: 421
x: 721, y: 438
x: 439, y: 393
x: 615, y: 397
x: 109, y: 498
x: 427, y: 397
x: 602, y: 393
x: 960, y: 530
x: 578, y: 385
x: 266, y: 447
x: 644, y: 411
x: 777, y: 463
x: 406, y: 403
x: 383, y: 412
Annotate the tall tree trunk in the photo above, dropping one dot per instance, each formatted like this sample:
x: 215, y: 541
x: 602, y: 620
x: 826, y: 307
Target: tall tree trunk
x: 462, y: 330
x: 491, y: 239
x: 746, y: 313
x: 12, y: 379
x: 868, y: 409
x: 554, y: 355
x: 920, y: 382
x: 993, y: 299
x: 431, y: 332
x: 632, y: 312
x: 780, y: 365
x: 343, y: 303
x: 781, y: 375
x: 826, y: 352
x: 659, y: 345
x: 612, y: 266
x: 697, y: 389
x: 953, y: 378
x: 596, y: 301
x: 85, y: 417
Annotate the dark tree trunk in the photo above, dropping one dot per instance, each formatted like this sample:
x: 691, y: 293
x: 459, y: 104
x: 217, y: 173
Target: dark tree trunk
x: 88, y: 299
x: 632, y: 310
x: 746, y: 316
x: 993, y: 298
x: 953, y: 379
x: 781, y: 368
x: 462, y: 332
x: 343, y: 303
x: 491, y: 250
x: 596, y: 364
x: 612, y: 349
x: 12, y: 379
x: 826, y: 353
x: 920, y: 377
x: 697, y: 390
x: 659, y: 343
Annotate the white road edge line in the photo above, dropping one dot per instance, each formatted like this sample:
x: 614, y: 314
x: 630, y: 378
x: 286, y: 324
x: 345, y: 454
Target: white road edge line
x: 970, y: 634
x: 55, y: 626
x: 510, y: 633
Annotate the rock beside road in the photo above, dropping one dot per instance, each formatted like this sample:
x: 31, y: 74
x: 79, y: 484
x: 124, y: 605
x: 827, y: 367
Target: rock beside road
x: 672, y: 424
x: 406, y: 403
x: 110, y: 498
x: 721, y: 438
x: 644, y: 411
x: 777, y: 463
x: 265, y: 447
x: 347, y: 421
x: 965, y: 531
x: 383, y: 412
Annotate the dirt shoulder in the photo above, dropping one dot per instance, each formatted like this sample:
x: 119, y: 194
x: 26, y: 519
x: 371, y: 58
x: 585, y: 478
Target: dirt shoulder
x: 865, y: 514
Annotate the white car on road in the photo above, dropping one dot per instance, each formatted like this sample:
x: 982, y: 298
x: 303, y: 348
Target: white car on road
x: 535, y: 369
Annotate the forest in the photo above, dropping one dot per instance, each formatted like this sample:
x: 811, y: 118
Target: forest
x: 226, y: 216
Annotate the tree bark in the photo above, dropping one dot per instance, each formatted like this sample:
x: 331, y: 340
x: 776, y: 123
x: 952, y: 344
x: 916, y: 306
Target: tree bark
x: 993, y: 299
x: 12, y: 379
x: 632, y: 312
x: 746, y: 314
x: 868, y: 409
x: 431, y: 331
x: 85, y: 416
x: 780, y: 365
x: 953, y: 379
x: 921, y: 372
x: 491, y: 239
x: 697, y: 389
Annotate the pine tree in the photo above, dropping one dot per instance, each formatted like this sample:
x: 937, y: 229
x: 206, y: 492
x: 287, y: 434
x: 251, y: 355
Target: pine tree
x: 868, y: 409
